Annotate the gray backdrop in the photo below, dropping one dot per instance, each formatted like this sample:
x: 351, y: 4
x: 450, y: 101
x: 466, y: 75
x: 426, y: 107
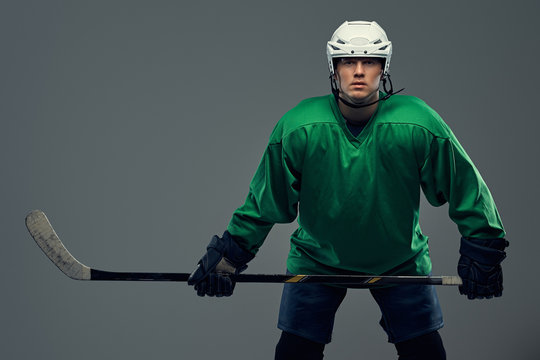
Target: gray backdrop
x: 137, y: 125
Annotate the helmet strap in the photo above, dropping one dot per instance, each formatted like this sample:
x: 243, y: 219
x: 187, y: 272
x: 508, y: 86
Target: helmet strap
x: 385, y: 78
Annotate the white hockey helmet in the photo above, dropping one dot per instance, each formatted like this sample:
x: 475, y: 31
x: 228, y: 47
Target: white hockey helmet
x: 359, y: 38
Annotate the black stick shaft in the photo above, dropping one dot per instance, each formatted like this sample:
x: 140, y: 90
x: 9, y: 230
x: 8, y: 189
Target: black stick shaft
x: 277, y: 278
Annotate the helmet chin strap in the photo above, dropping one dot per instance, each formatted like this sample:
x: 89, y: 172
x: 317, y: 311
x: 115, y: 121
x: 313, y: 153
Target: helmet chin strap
x: 335, y: 91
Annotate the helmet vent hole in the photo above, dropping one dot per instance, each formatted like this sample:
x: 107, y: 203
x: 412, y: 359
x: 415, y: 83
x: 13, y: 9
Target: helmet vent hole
x: 378, y: 41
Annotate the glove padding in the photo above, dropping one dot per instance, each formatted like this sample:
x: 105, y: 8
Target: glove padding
x: 223, y: 257
x: 479, y: 267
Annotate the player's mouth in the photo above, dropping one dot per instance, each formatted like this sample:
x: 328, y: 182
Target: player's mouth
x: 358, y: 84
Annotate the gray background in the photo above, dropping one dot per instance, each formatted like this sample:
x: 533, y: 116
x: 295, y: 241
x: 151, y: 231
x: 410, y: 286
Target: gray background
x: 136, y: 126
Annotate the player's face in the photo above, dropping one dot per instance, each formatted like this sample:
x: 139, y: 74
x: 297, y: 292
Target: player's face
x: 358, y: 78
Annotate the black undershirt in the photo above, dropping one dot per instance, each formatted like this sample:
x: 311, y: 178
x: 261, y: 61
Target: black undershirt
x: 355, y: 129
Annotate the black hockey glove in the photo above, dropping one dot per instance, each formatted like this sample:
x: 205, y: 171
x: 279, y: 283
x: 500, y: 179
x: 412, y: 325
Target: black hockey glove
x: 223, y: 257
x: 480, y: 267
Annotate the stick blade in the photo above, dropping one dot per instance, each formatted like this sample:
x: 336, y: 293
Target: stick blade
x: 43, y: 233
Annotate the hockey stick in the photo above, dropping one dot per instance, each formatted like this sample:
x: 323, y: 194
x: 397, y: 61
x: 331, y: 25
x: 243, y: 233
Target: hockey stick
x: 43, y: 233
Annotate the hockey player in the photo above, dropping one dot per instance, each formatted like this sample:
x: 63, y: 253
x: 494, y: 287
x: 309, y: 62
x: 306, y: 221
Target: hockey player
x: 352, y: 165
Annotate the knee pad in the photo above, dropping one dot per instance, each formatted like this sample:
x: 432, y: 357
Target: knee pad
x: 293, y: 347
x: 424, y: 347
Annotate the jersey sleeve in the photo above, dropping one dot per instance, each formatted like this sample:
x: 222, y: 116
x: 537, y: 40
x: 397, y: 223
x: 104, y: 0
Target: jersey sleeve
x: 449, y: 176
x: 273, y: 193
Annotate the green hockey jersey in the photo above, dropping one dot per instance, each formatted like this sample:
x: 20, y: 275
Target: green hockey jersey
x: 357, y: 198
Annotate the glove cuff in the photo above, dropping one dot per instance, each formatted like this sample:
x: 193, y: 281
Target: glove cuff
x: 235, y: 253
x: 231, y: 250
x: 484, y: 251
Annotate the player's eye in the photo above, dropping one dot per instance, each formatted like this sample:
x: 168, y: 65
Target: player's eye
x: 348, y: 62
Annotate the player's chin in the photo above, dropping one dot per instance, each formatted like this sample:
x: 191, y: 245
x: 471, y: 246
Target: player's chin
x: 358, y: 98
x: 361, y: 96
